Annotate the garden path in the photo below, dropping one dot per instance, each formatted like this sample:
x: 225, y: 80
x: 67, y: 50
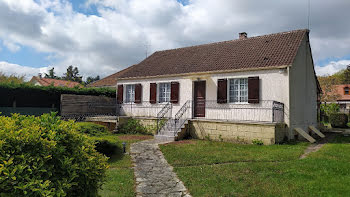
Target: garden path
x: 154, y: 176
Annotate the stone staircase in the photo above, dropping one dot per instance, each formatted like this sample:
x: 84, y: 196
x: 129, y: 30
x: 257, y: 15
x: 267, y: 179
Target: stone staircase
x: 168, y: 131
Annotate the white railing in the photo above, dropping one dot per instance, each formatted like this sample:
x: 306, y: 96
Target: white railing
x: 144, y: 109
x: 264, y: 111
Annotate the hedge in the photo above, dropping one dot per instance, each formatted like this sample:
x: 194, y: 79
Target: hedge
x: 338, y: 120
x: 28, y: 95
x: 45, y: 156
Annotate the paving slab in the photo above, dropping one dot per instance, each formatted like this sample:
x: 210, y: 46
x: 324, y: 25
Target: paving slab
x: 154, y: 176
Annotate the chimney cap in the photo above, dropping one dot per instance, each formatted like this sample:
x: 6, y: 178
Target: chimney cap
x: 243, y: 35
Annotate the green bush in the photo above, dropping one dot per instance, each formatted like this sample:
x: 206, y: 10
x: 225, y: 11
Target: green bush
x: 257, y: 142
x: 45, y: 156
x: 330, y: 108
x: 338, y: 120
x: 133, y: 126
x: 106, y: 147
x: 92, y: 129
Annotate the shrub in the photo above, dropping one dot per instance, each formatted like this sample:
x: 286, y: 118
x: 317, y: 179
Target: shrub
x: 132, y: 126
x: 330, y: 108
x: 106, y: 147
x: 92, y: 129
x: 338, y: 120
x: 45, y: 156
x: 257, y: 142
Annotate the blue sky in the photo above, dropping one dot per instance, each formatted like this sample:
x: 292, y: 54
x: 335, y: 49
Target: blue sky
x: 112, y: 35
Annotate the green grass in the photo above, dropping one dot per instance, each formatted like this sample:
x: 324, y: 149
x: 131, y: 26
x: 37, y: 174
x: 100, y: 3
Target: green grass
x: 120, y: 175
x: 210, y: 152
x: 251, y: 170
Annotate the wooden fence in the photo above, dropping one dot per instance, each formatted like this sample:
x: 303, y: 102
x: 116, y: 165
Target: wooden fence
x: 82, y: 106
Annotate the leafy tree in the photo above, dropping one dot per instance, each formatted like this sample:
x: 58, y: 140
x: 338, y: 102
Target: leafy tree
x: 92, y: 79
x: 343, y: 76
x: 72, y: 74
x: 51, y: 74
x: 11, y: 79
x: 330, y: 108
x: 329, y: 93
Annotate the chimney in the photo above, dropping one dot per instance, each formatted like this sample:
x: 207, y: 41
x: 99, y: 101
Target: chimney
x: 39, y: 75
x: 243, y: 35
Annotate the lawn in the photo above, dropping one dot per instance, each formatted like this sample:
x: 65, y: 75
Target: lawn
x: 120, y: 175
x: 225, y: 169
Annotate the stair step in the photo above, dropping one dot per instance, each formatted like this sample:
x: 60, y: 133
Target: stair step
x: 167, y: 133
x: 164, y: 138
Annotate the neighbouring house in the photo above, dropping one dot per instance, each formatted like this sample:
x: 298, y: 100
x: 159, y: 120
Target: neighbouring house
x: 109, y: 81
x: 251, y: 88
x: 343, y: 97
x: 40, y: 81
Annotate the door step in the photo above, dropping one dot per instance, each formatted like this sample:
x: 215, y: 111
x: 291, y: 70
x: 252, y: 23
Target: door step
x: 164, y: 138
x: 305, y: 135
x: 312, y: 128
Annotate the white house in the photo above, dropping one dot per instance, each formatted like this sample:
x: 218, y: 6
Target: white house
x: 240, y: 90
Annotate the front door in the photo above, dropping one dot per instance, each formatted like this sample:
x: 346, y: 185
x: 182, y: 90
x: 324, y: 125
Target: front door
x: 199, y: 99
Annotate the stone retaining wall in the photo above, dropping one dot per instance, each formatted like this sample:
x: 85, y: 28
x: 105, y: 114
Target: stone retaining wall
x: 268, y: 133
x: 150, y: 123
x: 240, y: 132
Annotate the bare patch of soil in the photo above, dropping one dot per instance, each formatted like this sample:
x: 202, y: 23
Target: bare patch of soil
x: 181, y: 142
x: 135, y: 137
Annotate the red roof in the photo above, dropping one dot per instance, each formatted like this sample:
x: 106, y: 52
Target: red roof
x: 265, y: 51
x: 55, y: 82
x: 109, y: 81
x: 340, y: 90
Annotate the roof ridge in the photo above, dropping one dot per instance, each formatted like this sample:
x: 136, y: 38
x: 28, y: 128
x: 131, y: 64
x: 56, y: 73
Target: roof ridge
x: 235, y: 40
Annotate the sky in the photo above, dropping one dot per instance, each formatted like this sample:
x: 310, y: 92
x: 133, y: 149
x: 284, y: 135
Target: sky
x: 101, y: 37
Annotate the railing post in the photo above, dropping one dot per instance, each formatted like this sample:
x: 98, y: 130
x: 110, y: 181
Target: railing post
x: 157, y: 125
x: 273, y: 111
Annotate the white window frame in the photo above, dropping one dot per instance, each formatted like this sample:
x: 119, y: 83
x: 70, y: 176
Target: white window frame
x: 168, y: 92
x: 127, y: 94
x: 239, y: 92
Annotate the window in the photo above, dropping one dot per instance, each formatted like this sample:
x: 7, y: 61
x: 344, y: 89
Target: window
x: 164, y: 92
x: 346, y: 91
x: 238, y: 90
x: 130, y: 93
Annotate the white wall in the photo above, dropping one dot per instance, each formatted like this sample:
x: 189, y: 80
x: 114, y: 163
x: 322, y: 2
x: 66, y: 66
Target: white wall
x: 273, y: 87
x: 151, y: 110
x: 303, y: 90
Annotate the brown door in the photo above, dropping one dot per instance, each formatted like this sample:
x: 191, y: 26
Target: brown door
x: 199, y: 99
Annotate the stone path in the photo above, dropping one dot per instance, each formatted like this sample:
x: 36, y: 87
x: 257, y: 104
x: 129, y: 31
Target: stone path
x: 154, y: 176
x: 317, y: 146
x: 310, y: 149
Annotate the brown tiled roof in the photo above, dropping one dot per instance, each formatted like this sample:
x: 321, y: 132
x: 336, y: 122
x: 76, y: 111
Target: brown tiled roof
x: 255, y: 52
x: 110, y: 80
x: 56, y: 82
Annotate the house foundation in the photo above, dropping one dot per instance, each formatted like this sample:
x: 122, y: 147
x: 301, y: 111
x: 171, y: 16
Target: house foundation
x: 241, y: 132
x: 229, y: 131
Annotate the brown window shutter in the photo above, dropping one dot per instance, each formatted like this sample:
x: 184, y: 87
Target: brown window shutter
x: 253, y: 90
x: 138, y: 93
x: 120, y: 94
x: 222, y: 91
x: 153, y: 93
x: 174, y: 97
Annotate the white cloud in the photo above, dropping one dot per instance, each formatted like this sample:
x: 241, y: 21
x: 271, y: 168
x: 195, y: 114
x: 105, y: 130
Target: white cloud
x: 18, y: 70
x: 11, y: 46
x: 116, y: 38
x: 332, y: 67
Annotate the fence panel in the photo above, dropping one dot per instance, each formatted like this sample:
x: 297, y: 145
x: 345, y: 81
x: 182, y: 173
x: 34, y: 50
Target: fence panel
x: 81, y: 106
